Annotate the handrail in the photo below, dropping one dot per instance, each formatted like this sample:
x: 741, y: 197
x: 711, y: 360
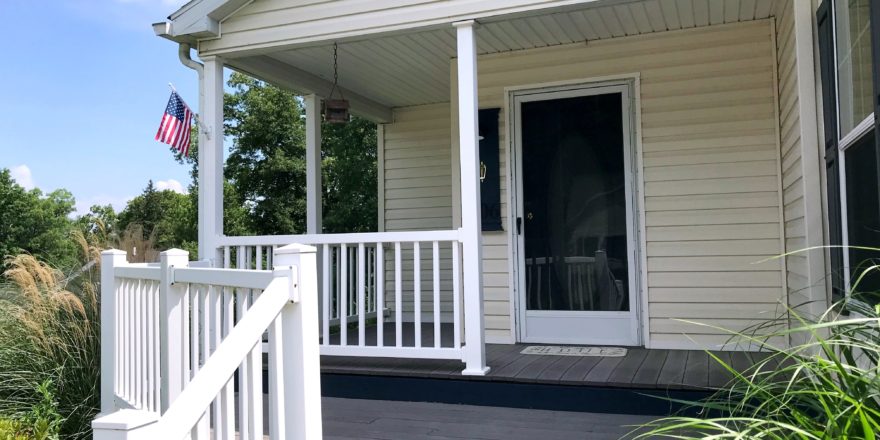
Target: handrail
x: 360, y: 237
x: 191, y: 404
x: 245, y: 279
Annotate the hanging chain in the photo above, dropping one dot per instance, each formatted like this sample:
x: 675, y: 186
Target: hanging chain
x: 335, y: 64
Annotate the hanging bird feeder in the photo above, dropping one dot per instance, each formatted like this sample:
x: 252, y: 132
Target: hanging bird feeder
x: 336, y: 108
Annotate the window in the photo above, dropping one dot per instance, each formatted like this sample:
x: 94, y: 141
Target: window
x: 854, y: 77
x: 863, y: 216
x: 849, y: 41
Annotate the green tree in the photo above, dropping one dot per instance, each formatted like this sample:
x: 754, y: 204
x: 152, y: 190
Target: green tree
x: 35, y: 223
x: 99, y: 225
x: 166, y: 215
x: 350, y: 173
x: 266, y: 164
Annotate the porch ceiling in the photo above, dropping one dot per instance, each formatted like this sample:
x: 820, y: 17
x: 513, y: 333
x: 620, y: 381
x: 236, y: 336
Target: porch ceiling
x: 413, y: 68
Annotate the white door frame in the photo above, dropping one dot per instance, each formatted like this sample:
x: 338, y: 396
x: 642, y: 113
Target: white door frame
x: 627, y: 86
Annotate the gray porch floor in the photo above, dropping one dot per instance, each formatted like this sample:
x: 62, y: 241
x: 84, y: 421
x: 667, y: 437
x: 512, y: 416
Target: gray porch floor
x: 640, y: 368
x: 347, y: 419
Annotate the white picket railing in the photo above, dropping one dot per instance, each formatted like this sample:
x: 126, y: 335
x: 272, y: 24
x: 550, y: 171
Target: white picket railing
x: 174, y: 337
x: 401, y: 291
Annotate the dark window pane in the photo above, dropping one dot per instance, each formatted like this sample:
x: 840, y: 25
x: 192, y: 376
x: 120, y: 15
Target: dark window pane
x: 863, y: 216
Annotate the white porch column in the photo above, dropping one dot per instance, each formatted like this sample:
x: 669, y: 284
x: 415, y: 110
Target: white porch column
x: 211, y: 158
x: 313, y: 164
x: 471, y: 230
x: 812, y: 161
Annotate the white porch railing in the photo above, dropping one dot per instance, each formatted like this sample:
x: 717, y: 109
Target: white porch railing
x: 174, y: 337
x: 398, y: 293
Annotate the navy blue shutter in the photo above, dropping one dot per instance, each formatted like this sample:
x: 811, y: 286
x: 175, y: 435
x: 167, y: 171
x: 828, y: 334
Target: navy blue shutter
x: 490, y: 185
x: 824, y: 22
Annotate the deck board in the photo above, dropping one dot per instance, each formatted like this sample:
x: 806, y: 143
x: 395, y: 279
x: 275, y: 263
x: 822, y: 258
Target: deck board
x: 640, y: 368
x: 348, y: 419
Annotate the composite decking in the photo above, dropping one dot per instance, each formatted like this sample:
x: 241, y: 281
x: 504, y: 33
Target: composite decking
x: 639, y: 369
x: 349, y: 419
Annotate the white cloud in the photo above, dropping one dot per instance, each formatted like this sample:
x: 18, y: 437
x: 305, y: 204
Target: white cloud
x: 22, y: 175
x: 171, y: 184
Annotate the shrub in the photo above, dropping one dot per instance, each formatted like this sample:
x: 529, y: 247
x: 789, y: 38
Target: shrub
x: 826, y: 388
x: 50, y: 346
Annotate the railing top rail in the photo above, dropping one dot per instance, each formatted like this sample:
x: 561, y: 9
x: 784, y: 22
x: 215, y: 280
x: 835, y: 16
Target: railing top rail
x: 241, y: 278
x: 190, y: 405
x: 319, y: 239
x: 141, y: 272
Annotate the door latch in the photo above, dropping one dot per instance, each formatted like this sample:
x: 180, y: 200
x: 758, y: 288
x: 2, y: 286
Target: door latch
x: 519, y: 226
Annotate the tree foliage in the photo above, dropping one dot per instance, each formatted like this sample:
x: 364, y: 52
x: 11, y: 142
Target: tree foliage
x: 166, y: 215
x: 267, y: 165
x: 34, y: 223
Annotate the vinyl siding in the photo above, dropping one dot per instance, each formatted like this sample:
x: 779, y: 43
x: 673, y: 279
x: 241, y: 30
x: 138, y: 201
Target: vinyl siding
x: 709, y: 136
x: 418, y: 196
x: 711, y: 167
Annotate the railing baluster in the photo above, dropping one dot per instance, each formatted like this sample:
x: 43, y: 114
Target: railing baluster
x: 325, y: 297
x: 276, y: 366
x: 119, y: 320
x: 214, y: 304
x: 129, y: 389
x: 227, y: 396
x: 136, y: 347
x: 417, y: 293
x: 361, y: 299
x: 456, y: 294
x: 343, y: 297
x: 227, y: 257
x: 436, y: 258
x: 398, y: 301
x: 259, y: 257
x: 194, y: 329
x: 187, y: 334
x: 380, y: 295
x: 239, y: 257
x: 255, y: 380
x: 244, y: 397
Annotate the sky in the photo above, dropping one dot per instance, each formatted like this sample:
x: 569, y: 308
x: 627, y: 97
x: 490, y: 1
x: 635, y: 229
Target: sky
x: 83, y: 85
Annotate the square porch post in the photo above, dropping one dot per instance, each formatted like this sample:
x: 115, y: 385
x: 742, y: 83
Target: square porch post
x: 211, y: 159
x: 474, y: 354
x: 313, y: 164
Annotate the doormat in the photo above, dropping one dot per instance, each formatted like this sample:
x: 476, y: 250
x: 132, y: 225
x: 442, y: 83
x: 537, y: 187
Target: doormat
x: 563, y: 350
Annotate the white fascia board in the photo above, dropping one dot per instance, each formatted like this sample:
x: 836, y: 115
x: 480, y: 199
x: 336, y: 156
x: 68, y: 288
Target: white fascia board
x: 201, y: 18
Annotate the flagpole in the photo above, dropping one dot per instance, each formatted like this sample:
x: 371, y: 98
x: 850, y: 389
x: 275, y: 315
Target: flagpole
x: 195, y: 115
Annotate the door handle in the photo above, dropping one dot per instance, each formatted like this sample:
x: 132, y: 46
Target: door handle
x: 519, y: 226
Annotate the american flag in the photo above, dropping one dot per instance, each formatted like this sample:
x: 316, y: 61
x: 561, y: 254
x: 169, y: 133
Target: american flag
x: 176, y: 122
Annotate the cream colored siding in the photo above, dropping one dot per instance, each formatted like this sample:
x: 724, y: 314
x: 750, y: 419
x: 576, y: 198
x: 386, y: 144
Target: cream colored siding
x: 709, y: 140
x: 418, y: 196
x: 790, y: 144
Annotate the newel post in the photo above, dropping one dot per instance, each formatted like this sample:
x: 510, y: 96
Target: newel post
x: 110, y: 259
x: 471, y: 230
x: 171, y: 327
x: 300, y: 377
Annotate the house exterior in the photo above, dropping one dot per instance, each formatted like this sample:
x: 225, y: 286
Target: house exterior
x: 641, y: 173
x: 568, y: 171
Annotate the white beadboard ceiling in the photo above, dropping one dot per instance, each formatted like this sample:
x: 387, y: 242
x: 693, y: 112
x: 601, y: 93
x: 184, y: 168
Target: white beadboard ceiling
x: 410, y: 69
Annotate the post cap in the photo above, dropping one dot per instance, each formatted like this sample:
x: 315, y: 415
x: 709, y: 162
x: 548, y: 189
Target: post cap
x: 174, y: 252
x: 112, y: 252
x: 125, y: 420
x: 296, y: 248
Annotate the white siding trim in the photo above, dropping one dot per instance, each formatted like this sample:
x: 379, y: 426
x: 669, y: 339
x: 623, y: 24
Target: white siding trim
x: 781, y: 197
x: 380, y: 164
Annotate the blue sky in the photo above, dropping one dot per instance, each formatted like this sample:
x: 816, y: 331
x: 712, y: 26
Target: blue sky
x: 84, y: 84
